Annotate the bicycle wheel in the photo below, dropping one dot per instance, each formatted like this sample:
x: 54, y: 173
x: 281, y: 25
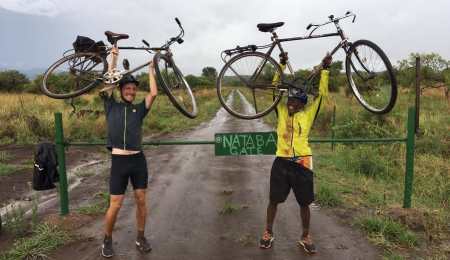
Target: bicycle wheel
x: 246, y: 86
x: 175, y: 85
x: 74, y: 75
x: 371, y: 77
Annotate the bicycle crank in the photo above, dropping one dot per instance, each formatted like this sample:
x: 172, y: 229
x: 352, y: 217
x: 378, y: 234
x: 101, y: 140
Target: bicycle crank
x: 112, y: 77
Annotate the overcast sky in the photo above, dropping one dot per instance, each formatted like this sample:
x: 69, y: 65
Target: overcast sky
x: 34, y: 33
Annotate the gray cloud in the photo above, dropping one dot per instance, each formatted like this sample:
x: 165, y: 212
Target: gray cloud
x: 211, y: 26
x: 35, y: 7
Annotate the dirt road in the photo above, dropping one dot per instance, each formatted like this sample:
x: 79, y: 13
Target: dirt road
x: 189, y: 188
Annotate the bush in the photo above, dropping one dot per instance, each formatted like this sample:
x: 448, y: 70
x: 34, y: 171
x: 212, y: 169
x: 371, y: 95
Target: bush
x: 12, y: 80
x: 201, y: 81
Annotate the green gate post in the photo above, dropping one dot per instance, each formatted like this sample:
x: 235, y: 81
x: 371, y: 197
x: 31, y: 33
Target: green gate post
x: 409, y: 157
x: 59, y: 140
x: 333, y: 123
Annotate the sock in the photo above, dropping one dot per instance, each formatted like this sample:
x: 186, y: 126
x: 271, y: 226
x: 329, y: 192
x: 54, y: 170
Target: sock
x: 107, y: 238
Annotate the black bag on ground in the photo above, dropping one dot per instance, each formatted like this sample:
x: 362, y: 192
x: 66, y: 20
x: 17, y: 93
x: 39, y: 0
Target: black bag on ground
x: 86, y: 44
x: 45, y: 172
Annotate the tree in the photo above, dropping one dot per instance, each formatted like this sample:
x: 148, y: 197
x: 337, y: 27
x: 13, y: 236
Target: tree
x: 336, y: 77
x: 432, y: 68
x: 12, y: 80
x: 210, y: 73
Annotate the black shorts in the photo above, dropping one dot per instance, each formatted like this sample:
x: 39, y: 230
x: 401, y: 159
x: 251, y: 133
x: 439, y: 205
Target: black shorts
x: 124, y: 167
x: 285, y: 175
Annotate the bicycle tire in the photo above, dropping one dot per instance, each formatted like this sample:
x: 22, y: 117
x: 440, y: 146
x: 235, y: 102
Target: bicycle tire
x: 357, y: 91
x: 91, y: 57
x: 223, y: 100
x: 163, y: 81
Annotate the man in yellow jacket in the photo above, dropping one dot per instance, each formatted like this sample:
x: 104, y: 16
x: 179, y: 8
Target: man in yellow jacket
x: 293, y: 165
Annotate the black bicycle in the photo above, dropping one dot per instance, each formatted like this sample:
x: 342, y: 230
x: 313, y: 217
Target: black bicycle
x: 79, y: 71
x: 251, y: 83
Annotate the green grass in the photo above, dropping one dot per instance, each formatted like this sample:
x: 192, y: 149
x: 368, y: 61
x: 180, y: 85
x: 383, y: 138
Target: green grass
x: 387, y: 232
x: 14, y: 221
x: 98, y: 206
x: 391, y: 256
x: 327, y: 195
x: 229, y: 208
x: 4, y: 156
x: 7, y: 169
x: 43, y: 240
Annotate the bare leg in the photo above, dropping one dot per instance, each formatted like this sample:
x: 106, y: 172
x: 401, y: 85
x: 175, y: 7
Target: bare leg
x: 305, y: 214
x: 111, y: 215
x: 141, y: 210
x: 271, y: 213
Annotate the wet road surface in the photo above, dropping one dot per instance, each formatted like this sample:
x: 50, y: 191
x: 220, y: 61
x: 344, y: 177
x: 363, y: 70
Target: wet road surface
x: 189, y: 188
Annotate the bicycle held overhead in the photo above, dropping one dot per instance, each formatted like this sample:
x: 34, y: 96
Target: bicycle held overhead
x: 86, y: 67
x: 256, y: 79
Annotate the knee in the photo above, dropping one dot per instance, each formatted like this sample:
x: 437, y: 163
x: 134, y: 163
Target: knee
x: 140, y: 201
x: 115, y: 204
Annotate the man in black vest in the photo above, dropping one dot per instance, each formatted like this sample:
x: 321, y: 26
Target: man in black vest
x: 124, y: 120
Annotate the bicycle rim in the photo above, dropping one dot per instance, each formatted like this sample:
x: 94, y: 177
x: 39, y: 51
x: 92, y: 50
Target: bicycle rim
x: 246, y: 85
x: 73, y: 75
x: 175, y: 85
x: 371, y: 78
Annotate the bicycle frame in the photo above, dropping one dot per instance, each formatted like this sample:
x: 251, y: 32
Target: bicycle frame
x: 112, y: 66
x: 276, y: 42
x: 115, y: 57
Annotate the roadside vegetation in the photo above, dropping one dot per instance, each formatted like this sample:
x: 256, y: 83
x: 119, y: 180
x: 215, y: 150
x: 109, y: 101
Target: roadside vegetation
x: 366, y: 181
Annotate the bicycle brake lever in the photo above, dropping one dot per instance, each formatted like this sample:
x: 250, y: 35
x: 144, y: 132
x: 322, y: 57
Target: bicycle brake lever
x: 309, y: 26
x: 354, y: 18
x: 146, y: 43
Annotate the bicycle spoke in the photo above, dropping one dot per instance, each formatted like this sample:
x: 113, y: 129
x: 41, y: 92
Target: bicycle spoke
x: 248, y: 83
x: 176, y: 86
x: 368, y: 73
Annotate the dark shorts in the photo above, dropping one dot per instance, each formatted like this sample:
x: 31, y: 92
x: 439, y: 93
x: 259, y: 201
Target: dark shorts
x: 128, y: 167
x: 287, y: 175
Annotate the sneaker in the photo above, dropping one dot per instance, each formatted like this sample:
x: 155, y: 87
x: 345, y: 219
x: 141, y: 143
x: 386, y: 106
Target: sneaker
x: 107, y: 250
x: 143, y: 245
x: 266, y: 240
x: 308, y: 247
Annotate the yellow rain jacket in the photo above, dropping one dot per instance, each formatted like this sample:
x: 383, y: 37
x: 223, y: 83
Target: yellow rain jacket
x: 293, y: 130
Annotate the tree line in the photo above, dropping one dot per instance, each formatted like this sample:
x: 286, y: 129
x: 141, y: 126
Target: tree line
x: 435, y: 71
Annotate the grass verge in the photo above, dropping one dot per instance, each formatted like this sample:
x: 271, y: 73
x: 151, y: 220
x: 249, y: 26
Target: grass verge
x: 44, y: 239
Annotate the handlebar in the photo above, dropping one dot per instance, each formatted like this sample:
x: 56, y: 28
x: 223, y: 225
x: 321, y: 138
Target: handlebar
x: 332, y: 19
x: 172, y: 40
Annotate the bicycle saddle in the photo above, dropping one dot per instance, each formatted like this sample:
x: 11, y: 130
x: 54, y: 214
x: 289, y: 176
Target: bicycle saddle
x: 114, y: 37
x: 269, y: 27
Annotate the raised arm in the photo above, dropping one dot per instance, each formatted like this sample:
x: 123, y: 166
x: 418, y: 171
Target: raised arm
x: 153, y: 91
